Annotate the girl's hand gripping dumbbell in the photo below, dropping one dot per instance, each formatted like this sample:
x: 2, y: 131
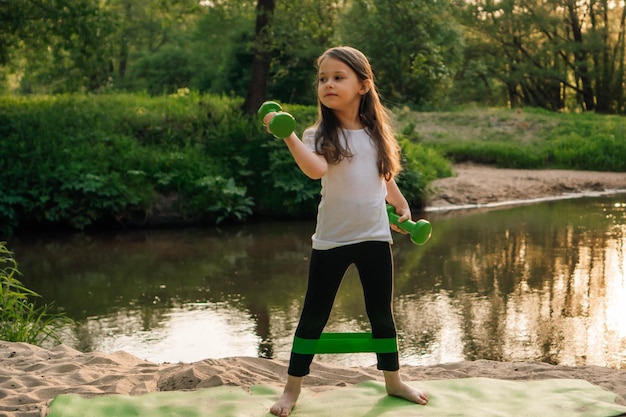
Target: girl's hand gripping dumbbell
x: 419, y: 231
x: 282, y: 124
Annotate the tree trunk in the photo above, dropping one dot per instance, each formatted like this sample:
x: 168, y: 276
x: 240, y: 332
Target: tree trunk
x: 257, y: 91
x: 620, y: 49
x: 581, y: 64
x: 123, y: 56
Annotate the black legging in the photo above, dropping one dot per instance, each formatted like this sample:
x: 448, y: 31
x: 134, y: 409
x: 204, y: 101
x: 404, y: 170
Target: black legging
x: 374, y: 263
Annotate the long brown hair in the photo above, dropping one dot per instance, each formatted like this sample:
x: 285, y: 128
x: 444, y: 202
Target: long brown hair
x: 374, y: 118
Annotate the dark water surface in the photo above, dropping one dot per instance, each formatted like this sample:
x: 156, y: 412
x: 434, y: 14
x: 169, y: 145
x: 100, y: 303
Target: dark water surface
x: 543, y: 282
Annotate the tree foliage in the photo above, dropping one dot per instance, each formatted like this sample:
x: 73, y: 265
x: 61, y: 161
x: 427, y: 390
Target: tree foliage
x: 58, y: 44
x: 412, y: 44
x: 555, y: 54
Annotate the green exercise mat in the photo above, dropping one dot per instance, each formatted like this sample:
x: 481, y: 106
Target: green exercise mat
x: 470, y: 397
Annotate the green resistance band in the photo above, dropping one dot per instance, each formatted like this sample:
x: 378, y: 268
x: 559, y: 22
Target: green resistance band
x: 344, y: 343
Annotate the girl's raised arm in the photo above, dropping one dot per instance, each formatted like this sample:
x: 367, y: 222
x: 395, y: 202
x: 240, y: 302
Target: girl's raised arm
x: 312, y: 164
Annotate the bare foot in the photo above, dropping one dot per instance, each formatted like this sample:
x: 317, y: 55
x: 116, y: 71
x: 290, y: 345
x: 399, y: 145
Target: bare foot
x: 397, y: 388
x: 284, y: 405
x: 409, y: 393
x: 286, y: 402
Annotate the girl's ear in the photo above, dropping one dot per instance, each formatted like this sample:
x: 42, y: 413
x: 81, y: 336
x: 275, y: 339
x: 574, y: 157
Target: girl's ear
x: 366, y: 85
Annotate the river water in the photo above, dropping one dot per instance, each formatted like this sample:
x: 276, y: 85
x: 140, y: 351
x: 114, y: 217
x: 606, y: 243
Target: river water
x: 541, y: 282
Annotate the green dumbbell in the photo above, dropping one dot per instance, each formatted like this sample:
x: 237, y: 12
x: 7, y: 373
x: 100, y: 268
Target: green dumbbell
x: 283, y: 124
x: 419, y: 231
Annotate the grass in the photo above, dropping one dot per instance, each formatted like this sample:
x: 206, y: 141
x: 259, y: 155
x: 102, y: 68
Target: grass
x: 20, y: 319
x: 522, y: 138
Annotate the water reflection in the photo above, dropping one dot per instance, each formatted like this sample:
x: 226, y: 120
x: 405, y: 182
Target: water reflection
x: 543, y: 282
x: 192, y: 329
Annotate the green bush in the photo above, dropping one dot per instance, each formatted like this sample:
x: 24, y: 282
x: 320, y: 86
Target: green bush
x: 20, y: 319
x: 420, y: 166
x: 83, y: 160
x: 78, y: 160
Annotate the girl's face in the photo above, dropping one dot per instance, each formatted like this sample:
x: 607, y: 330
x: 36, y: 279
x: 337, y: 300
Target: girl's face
x: 338, y: 86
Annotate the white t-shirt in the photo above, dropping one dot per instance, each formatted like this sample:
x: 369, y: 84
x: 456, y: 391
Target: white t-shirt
x: 352, y: 208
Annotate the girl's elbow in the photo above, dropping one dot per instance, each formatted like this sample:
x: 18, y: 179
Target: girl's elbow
x: 316, y: 172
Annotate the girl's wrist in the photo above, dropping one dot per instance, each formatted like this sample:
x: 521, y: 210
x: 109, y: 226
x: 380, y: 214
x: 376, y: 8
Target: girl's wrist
x: 293, y: 136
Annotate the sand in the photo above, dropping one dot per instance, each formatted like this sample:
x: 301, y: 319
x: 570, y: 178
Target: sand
x: 30, y: 376
x: 484, y: 186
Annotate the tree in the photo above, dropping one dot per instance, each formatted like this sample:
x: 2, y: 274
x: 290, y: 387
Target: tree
x: 262, y: 60
x: 554, y: 54
x: 297, y: 45
x: 414, y: 46
x: 606, y: 37
x: 145, y: 28
x: 519, y: 58
x: 85, y: 45
x: 580, y: 52
x: 221, y: 44
x: 285, y: 49
x: 64, y: 38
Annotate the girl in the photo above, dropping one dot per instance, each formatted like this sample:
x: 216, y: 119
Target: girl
x: 353, y: 150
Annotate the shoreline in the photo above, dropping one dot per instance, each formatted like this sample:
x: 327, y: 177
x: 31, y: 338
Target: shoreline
x: 521, y: 202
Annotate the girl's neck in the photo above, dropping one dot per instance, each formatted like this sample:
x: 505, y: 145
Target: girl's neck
x: 349, y: 122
